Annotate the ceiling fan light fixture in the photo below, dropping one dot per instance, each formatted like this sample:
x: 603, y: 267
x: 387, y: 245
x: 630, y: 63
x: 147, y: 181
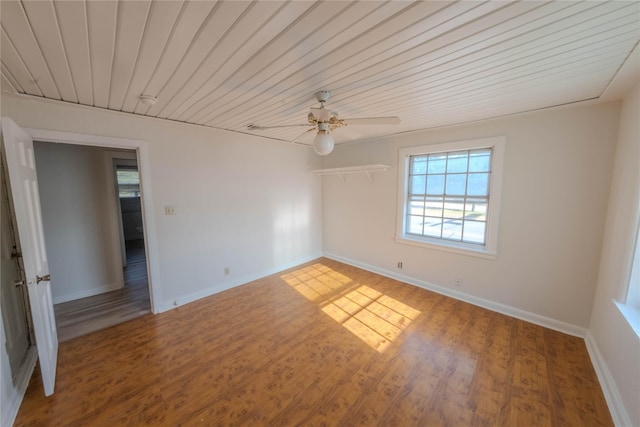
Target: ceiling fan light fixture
x: 323, y: 142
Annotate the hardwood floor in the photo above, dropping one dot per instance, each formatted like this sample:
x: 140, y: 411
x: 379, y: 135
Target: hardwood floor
x: 322, y: 344
x: 86, y: 315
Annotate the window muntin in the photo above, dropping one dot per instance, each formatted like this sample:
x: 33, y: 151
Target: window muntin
x: 449, y: 196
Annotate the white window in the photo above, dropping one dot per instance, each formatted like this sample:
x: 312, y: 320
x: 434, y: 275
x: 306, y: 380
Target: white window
x: 630, y: 306
x: 633, y: 294
x: 449, y: 195
x: 128, y: 181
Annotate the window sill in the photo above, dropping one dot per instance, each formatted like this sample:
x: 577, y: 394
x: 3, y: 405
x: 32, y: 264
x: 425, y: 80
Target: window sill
x: 631, y: 314
x: 451, y: 247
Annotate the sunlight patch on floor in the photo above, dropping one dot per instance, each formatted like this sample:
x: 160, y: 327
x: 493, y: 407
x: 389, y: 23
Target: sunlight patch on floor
x: 315, y: 281
x: 372, y: 316
x: 375, y: 318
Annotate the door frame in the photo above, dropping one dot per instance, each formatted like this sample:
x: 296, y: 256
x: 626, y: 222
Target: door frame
x: 142, y: 152
x: 111, y: 161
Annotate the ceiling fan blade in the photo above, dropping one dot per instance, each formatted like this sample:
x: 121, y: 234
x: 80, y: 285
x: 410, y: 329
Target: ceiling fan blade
x: 373, y: 121
x: 252, y: 126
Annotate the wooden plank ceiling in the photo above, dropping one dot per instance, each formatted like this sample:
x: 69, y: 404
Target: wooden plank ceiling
x: 228, y: 64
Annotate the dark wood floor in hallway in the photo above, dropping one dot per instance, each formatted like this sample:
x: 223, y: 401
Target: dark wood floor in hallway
x: 90, y: 314
x: 322, y: 344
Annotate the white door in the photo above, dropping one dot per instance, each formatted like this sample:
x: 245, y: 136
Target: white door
x: 20, y: 161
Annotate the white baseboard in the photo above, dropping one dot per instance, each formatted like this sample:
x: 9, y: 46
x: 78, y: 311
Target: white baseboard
x: 612, y: 396
x: 11, y: 407
x: 87, y: 293
x: 186, y: 299
x: 537, y: 319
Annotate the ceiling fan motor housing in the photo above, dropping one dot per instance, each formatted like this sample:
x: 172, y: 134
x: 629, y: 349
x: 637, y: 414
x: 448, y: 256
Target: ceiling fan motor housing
x: 323, y: 96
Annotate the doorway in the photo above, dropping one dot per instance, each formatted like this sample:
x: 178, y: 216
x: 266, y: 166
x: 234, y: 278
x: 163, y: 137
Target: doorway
x: 131, y: 225
x: 140, y: 150
x: 83, y: 225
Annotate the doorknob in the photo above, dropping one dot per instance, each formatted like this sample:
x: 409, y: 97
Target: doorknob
x: 45, y: 278
x: 18, y: 283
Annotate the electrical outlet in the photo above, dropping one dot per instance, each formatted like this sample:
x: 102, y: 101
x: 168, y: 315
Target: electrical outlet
x: 169, y: 210
x: 458, y: 282
x: 226, y: 271
x: 400, y: 265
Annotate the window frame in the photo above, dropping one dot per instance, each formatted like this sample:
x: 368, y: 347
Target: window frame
x: 490, y: 248
x: 629, y: 303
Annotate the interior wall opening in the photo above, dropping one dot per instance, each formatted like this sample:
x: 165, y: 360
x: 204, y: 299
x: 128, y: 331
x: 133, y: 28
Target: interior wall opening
x: 92, y: 215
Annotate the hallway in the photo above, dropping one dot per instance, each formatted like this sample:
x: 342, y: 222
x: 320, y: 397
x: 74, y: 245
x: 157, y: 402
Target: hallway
x: 86, y: 315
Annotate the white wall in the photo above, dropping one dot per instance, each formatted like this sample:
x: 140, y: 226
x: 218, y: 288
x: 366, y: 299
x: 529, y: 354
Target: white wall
x: 609, y: 332
x: 556, y: 180
x: 82, y: 240
x: 242, y: 202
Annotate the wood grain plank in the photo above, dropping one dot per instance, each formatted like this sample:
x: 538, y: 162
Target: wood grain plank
x: 102, y: 18
x: 17, y: 29
x: 187, y: 26
x: 244, y: 40
x: 203, y: 47
x: 276, y: 78
x: 160, y: 22
x: 132, y: 19
x: 380, y: 41
x: 9, y: 83
x: 72, y: 21
x: 12, y: 61
x: 43, y: 19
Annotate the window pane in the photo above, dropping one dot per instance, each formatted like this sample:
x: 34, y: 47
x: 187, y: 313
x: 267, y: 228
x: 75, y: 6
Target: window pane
x: 435, y: 184
x: 128, y: 182
x: 415, y: 224
x: 418, y: 165
x: 128, y: 191
x: 416, y: 206
x: 437, y: 163
x: 476, y: 209
x: 456, y: 184
x: 453, y: 207
x: 448, y: 191
x: 127, y: 176
x: 474, y: 232
x: 417, y: 184
x: 457, y: 162
x: 433, y: 227
x: 478, y: 184
x: 452, y: 229
x: 480, y: 160
x: 433, y: 206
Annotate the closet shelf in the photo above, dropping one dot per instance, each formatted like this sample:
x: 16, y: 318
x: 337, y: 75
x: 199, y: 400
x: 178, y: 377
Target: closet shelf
x: 341, y: 172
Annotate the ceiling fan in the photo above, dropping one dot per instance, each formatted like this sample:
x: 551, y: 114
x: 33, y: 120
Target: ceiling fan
x: 325, y: 121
